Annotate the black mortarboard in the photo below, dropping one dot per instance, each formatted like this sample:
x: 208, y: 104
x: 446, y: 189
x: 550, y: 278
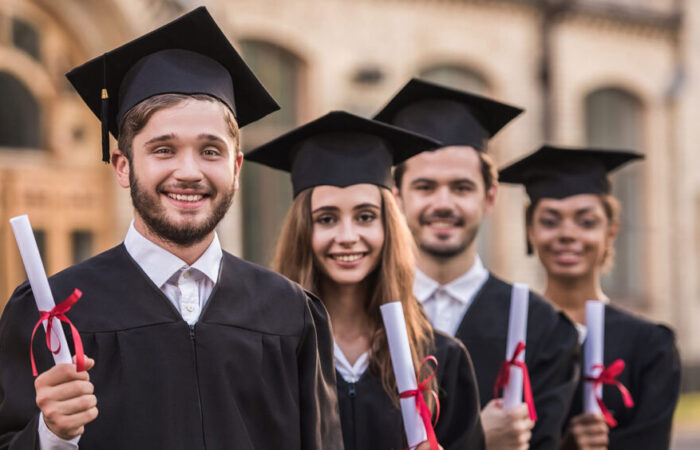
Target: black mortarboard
x: 189, y: 55
x: 341, y: 149
x: 451, y: 116
x: 555, y: 172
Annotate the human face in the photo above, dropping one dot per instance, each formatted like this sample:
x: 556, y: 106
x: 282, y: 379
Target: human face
x: 571, y: 235
x: 348, y: 231
x: 444, y: 200
x: 183, y: 172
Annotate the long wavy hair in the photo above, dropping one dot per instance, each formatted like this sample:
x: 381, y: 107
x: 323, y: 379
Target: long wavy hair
x: 391, y: 280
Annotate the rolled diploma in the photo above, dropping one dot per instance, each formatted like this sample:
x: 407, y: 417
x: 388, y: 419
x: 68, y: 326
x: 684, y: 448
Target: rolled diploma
x: 39, y: 283
x: 593, y: 353
x: 405, y: 373
x: 517, y: 332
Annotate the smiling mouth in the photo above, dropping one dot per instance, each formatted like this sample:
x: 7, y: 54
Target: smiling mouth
x: 191, y: 198
x: 348, y: 257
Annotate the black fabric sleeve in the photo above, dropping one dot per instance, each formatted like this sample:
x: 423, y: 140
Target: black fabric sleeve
x: 655, y: 400
x: 459, y: 425
x: 554, y: 374
x: 19, y: 414
x: 320, y: 419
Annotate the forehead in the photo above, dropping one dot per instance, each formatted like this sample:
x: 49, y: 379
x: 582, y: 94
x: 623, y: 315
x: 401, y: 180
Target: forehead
x: 345, y: 197
x: 188, y: 117
x: 573, y: 204
x: 444, y: 164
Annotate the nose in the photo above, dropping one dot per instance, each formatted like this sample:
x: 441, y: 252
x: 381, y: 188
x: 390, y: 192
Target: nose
x: 567, y: 231
x: 188, y: 168
x: 347, y: 233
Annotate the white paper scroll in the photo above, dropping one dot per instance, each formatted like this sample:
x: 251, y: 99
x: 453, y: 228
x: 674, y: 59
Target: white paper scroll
x: 593, y: 353
x: 405, y: 373
x: 517, y: 332
x: 38, y: 281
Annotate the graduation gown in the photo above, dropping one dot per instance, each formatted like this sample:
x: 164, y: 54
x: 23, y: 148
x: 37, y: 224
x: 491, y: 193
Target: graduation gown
x: 371, y: 421
x: 255, y: 372
x: 652, y: 375
x: 551, y: 354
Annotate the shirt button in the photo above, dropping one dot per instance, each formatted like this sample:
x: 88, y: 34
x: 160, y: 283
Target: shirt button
x: 185, y: 275
x: 189, y: 308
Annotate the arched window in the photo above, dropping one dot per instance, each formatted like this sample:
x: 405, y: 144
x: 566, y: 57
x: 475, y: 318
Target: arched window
x: 614, y: 121
x: 266, y: 193
x: 25, y: 37
x: 19, y: 114
x: 461, y: 78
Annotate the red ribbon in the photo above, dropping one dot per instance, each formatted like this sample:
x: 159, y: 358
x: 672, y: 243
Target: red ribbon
x: 420, y: 402
x: 608, y: 375
x: 58, y: 312
x: 504, y: 376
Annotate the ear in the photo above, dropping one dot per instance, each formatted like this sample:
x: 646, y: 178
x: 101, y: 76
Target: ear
x: 237, y: 165
x: 397, y: 197
x: 611, y: 233
x: 121, y: 167
x: 490, y: 198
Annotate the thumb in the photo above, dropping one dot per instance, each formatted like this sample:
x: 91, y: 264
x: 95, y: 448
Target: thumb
x: 89, y: 362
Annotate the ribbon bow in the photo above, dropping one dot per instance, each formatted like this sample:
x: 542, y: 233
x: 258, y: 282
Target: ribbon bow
x: 608, y: 375
x: 58, y: 312
x: 504, y: 377
x: 420, y: 402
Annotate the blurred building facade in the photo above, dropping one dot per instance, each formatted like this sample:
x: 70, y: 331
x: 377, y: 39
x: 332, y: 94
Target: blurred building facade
x: 610, y: 73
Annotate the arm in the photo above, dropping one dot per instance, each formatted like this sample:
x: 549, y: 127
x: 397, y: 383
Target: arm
x: 320, y: 420
x: 655, y: 400
x: 554, y: 373
x: 459, y: 424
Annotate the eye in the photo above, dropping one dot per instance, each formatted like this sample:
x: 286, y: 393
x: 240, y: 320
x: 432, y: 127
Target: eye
x: 325, y: 219
x: 422, y: 187
x: 366, y: 217
x: 548, y: 222
x: 588, y: 222
x: 162, y: 151
x: 463, y: 188
x: 211, y: 151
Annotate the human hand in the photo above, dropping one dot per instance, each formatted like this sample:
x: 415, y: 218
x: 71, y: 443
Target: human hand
x: 586, y: 432
x: 506, y: 429
x: 425, y: 445
x: 65, y: 398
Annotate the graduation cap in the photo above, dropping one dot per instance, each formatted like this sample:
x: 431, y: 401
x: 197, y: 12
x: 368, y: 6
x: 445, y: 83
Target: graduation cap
x: 558, y: 172
x: 451, y: 116
x: 190, y: 55
x: 341, y: 149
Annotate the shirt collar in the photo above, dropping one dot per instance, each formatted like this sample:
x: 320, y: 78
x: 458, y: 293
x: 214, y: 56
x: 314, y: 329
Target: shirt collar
x: 462, y: 288
x: 160, y: 265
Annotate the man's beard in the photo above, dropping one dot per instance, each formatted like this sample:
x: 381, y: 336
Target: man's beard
x: 443, y: 252
x: 154, y: 215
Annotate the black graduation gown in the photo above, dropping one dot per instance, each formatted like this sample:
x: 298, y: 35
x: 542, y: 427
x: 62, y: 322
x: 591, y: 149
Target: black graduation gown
x: 371, y: 421
x: 551, y: 354
x: 652, y: 375
x: 255, y: 372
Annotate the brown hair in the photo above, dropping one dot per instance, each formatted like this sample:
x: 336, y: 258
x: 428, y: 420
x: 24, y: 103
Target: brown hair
x: 138, y: 116
x: 612, y: 208
x: 391, y: 281
x: 488, y: 171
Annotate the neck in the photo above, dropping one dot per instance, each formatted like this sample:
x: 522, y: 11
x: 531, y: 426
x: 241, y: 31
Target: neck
x: 571, y: 294
x: 189, y: 254
x: 444, y: 270
x: 345, y: 305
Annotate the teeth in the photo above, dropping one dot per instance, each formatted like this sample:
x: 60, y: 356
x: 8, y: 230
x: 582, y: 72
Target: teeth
x: 348, y: 258
x: 186, y: 198
x: 442, y: 224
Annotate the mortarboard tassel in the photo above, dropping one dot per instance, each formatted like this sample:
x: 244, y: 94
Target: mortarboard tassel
x: 104, y: 112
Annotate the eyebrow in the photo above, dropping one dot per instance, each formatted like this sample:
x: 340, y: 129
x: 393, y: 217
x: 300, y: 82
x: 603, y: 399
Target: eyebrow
x: 335, y: 208
x: 210, y: 137
x: 453, y: 181
x: 578, y: 212
x: 162, y: 138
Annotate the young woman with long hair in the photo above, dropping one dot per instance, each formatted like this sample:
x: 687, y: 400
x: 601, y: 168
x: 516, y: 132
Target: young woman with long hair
x: 344, y: 240
x: 572, y: 222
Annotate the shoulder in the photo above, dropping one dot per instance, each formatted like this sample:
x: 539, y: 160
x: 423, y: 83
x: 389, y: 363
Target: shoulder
x: 448, y: 348
x: 638, y: 328
x: 259, y: 279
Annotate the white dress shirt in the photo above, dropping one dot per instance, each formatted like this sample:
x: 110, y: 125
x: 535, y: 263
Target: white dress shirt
x: 447, y: 304
x: 187, y: 287
x: 350, y: 372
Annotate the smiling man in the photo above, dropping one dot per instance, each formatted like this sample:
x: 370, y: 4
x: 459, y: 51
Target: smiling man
x: 190, y: 347
x: 445, y: 195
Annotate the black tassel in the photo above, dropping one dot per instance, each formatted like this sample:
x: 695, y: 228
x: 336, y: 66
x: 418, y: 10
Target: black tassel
x: 104, y: 117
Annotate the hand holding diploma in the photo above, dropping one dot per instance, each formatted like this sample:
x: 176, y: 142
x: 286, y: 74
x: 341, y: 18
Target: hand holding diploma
x: 416, y: 416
